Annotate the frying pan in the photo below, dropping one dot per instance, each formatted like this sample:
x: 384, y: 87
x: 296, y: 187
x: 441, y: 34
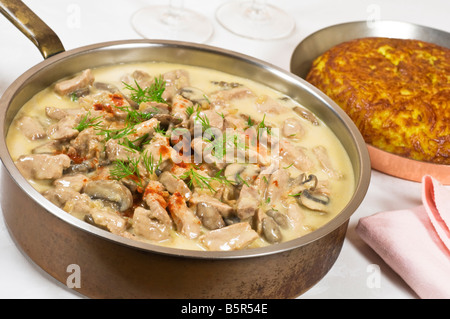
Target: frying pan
x: 111, y: 266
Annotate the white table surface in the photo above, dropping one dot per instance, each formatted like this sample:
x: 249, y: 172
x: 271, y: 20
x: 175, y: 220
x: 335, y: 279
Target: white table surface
x: 83, y: 22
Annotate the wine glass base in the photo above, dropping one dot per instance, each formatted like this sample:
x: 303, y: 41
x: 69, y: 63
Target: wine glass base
x: 158, y: 22
x: 268, y: 23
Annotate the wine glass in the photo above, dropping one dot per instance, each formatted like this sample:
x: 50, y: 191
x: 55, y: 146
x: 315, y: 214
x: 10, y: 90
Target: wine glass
x: 172, y: 22
x: 255, y: 19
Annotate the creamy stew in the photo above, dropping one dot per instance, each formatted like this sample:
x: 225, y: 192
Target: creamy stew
x: 181, y: 156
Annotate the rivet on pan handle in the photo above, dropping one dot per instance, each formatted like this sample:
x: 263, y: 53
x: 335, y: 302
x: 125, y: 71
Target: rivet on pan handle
x: 32, y: 26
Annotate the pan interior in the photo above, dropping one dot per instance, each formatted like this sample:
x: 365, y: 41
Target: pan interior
x: 71, y: 62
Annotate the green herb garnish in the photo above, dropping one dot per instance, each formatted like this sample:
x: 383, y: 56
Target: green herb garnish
x: 204, y: 181
x: 123, y: 169
x: 149, y: 162
x: 86, y: 122
x: 152, y: 93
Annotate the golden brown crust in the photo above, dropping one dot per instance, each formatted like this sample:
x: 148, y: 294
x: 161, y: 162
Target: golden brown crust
x: 396, y: 91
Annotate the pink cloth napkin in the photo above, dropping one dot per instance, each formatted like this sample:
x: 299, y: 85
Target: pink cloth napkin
x: 415, y: 243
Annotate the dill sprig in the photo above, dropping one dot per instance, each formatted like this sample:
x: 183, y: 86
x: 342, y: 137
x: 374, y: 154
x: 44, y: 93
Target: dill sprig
x: 117, y: 133
x: 152, y: 93
x: 86, y: 122
x: 130, y: 168
x: 262, y: 126
x: 123, y: 169
x: 149, y: 162
x: 195, y: 178
x: 204, y: 121
x: 190, y: 110
x: 134, y: 116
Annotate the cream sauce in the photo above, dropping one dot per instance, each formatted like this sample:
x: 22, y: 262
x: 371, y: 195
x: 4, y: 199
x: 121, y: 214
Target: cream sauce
x: 340, y: 189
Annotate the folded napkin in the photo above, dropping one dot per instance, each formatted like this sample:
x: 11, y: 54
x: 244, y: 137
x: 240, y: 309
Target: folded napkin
x: 415, y: 243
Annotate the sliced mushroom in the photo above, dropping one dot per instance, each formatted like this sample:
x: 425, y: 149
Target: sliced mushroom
x: 106, y: 87
x: 271, y: 230
x: 112, y: 191
x: 90, y: 220
x: 302, y: 182
x: 209, y: 216
x: 240, y: 173
x: 281, y: 219
x: 314, y: 200
x: 307, y: 115
x: 195, y: 95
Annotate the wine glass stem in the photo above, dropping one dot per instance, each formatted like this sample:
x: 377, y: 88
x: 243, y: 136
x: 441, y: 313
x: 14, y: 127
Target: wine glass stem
x: 174, y: 13
x: 257, y: 10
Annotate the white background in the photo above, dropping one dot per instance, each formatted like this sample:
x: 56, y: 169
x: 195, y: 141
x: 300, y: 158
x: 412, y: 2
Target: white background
x: 82, y: 22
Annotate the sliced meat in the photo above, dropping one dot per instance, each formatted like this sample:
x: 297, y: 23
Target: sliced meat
x: 75, y: 182
x: 65, y: 128
x: 31, y: 128
x: 155, y: 196
x: 94, y: 212
x: 229, y: 95
x: 55, y: 113
x: 51, y: 147
x: 88, y: 144
x: 79, y: 206
x: 277, y: 186
x: 247, y: 203
x: 116, y: 151
x: 109, y: 219
x: 235, y: 122
x: 154, y: 108
x: 60, y: 195
x: 293, y: 128
x: 203, y: 152
x: 150, y: 225
x: 66, y: 87
x: 175, y: 80
x: 145, y: 128
x: 224, y: 209
x: 294, y: 155
x: 270, y: 106
x: 160, y: 149
x: 295, y: 215
x: 209, y: 117
x: 322, y: 156
x: 180, y: 106
x: 232, y: 237
x: 185, y: 220
x: 174, y: 184
x: 43, y: 166
x: 110, y: 106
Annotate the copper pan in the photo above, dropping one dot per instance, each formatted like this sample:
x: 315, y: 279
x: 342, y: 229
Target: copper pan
x: 322, y: 40
x: 114, y: 267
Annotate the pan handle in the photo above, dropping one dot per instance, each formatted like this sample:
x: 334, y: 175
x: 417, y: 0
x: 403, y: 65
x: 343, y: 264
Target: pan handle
x: 32, y: 26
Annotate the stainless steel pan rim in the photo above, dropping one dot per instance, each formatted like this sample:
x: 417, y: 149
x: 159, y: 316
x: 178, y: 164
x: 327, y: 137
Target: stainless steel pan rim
x: 363, y: 169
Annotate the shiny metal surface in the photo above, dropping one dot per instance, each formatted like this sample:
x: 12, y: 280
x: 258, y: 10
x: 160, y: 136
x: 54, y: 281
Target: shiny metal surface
x: 53, y: 239
x: 71, y: 62
x: 116, y: 267
x: 320, y: 41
